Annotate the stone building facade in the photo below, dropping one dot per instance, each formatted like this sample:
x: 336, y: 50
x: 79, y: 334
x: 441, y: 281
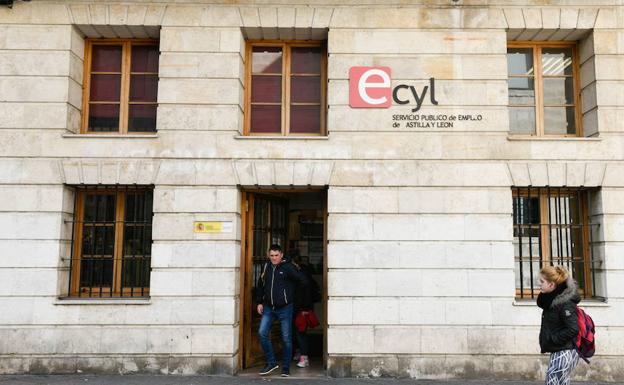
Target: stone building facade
x: 424, y: 205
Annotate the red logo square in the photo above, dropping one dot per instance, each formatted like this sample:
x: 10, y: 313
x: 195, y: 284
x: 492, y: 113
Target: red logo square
x: 369, y: 87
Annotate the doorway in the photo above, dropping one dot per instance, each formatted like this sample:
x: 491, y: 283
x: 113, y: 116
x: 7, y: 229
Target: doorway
x: 296, y: 220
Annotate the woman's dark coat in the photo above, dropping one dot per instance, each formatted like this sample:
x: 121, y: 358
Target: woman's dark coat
x: 559, y: 320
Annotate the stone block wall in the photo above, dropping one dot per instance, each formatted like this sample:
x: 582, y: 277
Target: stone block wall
x: 420, y: 256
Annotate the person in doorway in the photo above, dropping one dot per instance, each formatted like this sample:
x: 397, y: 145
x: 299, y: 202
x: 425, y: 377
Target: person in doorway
x: 305, y: 297
x: 558, y: 299
x: 275, y: 299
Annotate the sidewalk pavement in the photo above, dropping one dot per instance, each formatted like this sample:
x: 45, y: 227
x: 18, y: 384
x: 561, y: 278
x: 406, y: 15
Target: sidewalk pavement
x: 239, y: 380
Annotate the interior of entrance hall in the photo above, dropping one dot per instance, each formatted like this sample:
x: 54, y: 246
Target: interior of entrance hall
x: 296, y: 220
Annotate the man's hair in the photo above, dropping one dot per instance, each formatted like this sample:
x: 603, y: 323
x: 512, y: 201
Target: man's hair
x: 275, y: 247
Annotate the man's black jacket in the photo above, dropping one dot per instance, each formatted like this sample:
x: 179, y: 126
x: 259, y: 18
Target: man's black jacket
x: 277, y: 283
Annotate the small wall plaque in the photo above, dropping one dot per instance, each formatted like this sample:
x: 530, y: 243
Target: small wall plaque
x: 212, y: 227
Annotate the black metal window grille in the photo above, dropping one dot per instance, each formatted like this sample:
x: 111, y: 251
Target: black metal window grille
x: 551, y: 226
x: 111, y: 241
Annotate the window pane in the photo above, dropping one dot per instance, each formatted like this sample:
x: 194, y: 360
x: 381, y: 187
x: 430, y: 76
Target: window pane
x: 137, y: 240
x: 574, y: 215
x: 566, y: 232
x: 95, y: 272
x: 132, y: 240
x: 578, y: 274
x: 522, y: 120
x: 526, y: 221
x: 266, y: 89
x: 144, y: 58
x: 576, y: 239
x: 564, y: 209
x: 104, y: 117
x: 105, y: 88
x: 526, y: 217
x: 139, y: 207
x: 266, y: 119
x: 558, y: 91
x: 135, y: 273
x: 104, y: 240
x: 98, y: 240
x: 143, y: 88
x: 305, y: 60
x: 88, y: 240
x: 521, y: 91
x: 527, y: 268
x: 99, y: 208
x: 305, y: 119
x: 266, y: 60
x: 131, y: 207
x: 305, y: 89
x: 557, y: 61
x: 528, y: 248
x: 106, y: 58
x: 559, y: 121
x: 520, y: 61
x: 142, y: 118
x: 526, y: 210
x: 561, y: 251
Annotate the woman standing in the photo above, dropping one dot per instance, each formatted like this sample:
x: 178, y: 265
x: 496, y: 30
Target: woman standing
x: 305, y: 297
x: 558, y: 299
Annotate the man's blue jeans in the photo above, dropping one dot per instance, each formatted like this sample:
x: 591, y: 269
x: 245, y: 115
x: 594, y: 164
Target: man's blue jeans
x: 285, y: 317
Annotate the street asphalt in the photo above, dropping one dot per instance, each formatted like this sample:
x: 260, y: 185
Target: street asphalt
x: 242, y: 380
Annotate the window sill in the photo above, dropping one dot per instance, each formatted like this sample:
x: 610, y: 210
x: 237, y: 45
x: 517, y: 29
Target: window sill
x: 552, y: 138
x: 281, y: 137
x: 583, y: 303
x: 108, y: 136
x: 102, y: 301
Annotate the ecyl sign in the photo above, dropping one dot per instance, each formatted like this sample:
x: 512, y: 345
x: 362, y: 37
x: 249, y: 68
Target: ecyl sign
x: 369, y: 87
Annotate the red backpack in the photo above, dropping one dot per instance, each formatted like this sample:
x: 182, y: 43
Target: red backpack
x: 585, y: 340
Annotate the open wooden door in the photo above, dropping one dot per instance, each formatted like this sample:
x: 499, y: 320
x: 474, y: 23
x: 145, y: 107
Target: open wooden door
x: 266, y: 223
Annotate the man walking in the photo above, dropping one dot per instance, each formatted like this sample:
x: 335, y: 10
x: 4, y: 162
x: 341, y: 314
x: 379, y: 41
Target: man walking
x: 275, y: 298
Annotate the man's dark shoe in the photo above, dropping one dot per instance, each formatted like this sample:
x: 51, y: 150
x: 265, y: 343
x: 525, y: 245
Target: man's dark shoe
x: 285, y: 373
x: 268, y: 368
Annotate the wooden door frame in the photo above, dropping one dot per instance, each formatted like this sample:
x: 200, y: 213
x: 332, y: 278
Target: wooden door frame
x: 244, y: 269
x: 247, y: 200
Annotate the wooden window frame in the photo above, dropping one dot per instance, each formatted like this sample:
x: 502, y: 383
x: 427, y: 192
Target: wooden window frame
x: 545, y: 226
x: 286, y: 46
x: 538, y: 77
x: 76, y: 259
x: 124, y: 99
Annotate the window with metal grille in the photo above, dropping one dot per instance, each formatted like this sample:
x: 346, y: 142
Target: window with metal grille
x: 111, y: 242
x: 120, y: 86
x: 544, y: 91
x: 285, y: 92
x: 551, y: 226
